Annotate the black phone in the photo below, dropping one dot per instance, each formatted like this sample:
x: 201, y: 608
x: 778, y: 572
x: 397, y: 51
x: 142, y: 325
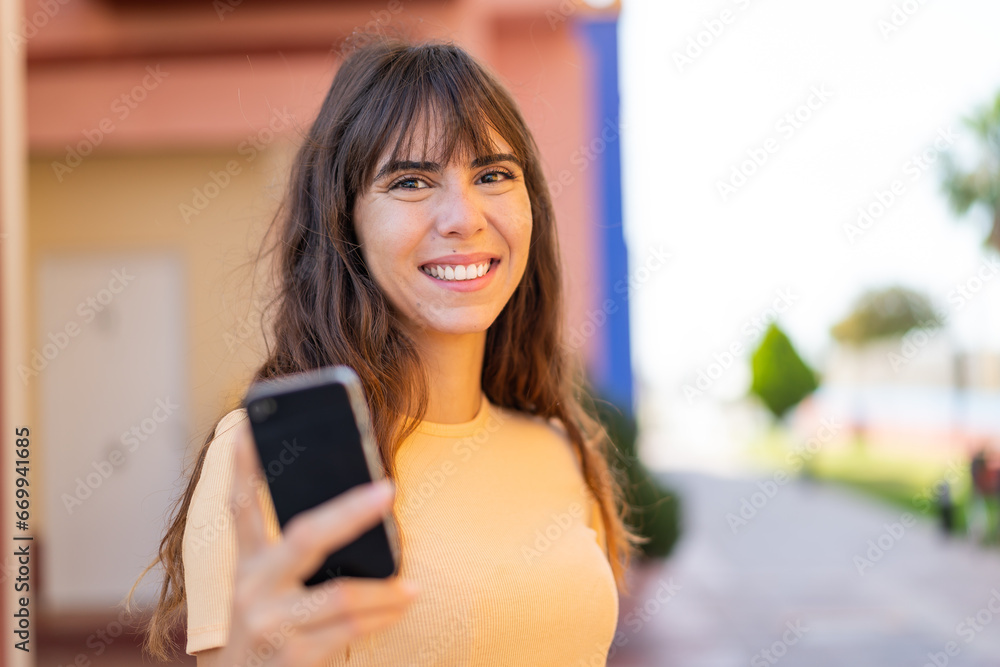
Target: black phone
x: 313, y: 433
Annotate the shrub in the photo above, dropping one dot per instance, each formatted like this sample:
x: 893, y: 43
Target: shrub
x: 781, y: 379
x: 655, y: 511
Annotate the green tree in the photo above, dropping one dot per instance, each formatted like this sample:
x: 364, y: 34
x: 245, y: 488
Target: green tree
x: 885, y: 313
x: 981, y: 185
x: 781, y: 379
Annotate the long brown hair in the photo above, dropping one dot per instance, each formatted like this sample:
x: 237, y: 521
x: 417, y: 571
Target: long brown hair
x: 328, y: 310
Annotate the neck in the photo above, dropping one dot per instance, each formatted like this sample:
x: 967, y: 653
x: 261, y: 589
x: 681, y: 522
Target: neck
x: 454, y: 366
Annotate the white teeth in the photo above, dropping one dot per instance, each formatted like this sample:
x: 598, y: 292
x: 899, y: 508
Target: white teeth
x: 458, y: 272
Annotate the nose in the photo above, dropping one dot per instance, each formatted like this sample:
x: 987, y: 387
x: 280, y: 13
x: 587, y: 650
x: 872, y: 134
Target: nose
x: 461, y: 211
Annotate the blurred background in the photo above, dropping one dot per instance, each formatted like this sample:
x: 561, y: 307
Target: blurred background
x: 780, y: 225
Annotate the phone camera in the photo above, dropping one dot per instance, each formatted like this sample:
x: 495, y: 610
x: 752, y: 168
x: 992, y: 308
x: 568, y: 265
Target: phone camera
x: 262, y: 409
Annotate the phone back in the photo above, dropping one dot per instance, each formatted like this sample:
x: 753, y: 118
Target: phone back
x: 311, y: 450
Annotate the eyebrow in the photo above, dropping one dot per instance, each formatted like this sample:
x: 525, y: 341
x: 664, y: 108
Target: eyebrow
x: 407, y: 165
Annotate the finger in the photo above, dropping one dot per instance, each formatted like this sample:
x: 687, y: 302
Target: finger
x: 312, y: 535
x: 348, y: 597
x: 327, y: 641
x: 302, y: 626
x: 250, y: 534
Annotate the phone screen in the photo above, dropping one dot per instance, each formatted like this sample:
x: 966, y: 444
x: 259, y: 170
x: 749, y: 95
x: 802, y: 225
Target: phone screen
x: 311, y: 450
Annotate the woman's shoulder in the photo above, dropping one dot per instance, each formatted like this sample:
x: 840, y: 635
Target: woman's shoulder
x: 229, y: 420
x: 522, y: 419
x: 532, y: 427
x: 220, y: 449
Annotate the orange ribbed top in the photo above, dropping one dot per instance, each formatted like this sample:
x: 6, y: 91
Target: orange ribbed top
x: 496, y: 526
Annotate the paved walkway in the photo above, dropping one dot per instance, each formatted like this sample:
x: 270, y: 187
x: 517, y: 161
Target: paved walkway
x: 788, y: 588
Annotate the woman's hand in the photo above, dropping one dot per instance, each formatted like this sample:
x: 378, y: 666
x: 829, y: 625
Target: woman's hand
x: 278, y: 620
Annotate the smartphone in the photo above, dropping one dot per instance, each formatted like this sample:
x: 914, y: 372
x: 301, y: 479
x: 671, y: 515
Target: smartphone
x: 313, y: 433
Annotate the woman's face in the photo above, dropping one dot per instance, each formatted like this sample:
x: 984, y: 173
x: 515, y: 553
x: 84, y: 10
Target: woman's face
x: 426, y: 229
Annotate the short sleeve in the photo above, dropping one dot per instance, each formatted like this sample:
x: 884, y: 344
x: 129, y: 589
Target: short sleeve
x: 210, y: 547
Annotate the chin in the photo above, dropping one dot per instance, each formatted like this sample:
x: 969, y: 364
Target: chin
x: 458, y: 329
x: 457, y: 325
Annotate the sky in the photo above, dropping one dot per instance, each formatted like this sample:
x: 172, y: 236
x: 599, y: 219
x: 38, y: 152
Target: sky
x: 754, y: 130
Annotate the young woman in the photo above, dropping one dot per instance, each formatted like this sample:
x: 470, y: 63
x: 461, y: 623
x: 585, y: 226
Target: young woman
x: 417, y: 245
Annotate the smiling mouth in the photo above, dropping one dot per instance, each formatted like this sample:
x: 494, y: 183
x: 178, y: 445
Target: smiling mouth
x: 458, y: 272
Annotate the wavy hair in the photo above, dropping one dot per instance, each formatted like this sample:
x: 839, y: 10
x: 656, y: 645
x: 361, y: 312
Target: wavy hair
x: 328, y: 310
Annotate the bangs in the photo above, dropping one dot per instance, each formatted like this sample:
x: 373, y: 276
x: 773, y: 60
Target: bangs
x: 430, y: 104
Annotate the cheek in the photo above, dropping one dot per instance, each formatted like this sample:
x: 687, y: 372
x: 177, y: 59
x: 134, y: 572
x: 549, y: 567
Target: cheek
x: 513, y: 213
x: 374, y: 233
x: 389, y: 252
x: 519, y: 231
